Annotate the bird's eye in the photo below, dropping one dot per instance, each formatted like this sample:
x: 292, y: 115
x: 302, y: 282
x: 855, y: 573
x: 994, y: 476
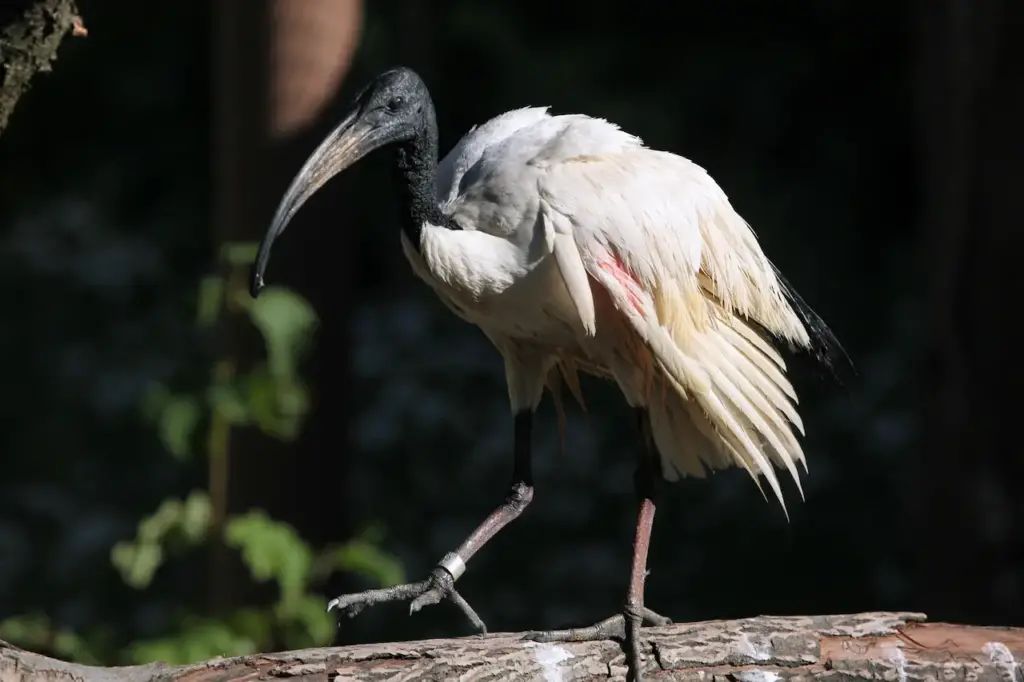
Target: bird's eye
x: 395, y: 103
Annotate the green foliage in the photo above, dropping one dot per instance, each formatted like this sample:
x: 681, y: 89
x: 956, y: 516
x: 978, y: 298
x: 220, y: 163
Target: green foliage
x: 198, y: 638
x: 362, y: 556
x: 286, y: 321
x: 176, y: 524
x: 36, y: 632
x: 272, y: 551
x: 176, y: 418
x: 271, y: 397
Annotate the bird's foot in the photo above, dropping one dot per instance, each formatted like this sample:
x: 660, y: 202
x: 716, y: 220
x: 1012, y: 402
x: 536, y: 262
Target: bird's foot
x: 624, y: 627
x: 440, y: 585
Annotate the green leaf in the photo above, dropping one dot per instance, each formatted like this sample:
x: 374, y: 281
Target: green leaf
x: 362, y: 558
x: 272, y: 550
x: 278, y: 404
x: 177, y: 423
x: 35, y: 632
x: 199, y: 639
x: 287, y: 322
x: 292, y: 399
x: 69, y: 646
x: 261, y: 390
x: 228, y: 400
x: 239, y: 253
x: 174, y: 524
x: 30, y: 631
x: 196, y: 515
x: 176, y: 417
x: 152, y: 528
x: 254, y: 624
x: 137, y: 562
x: 211, y: 297
x: 305, y: 622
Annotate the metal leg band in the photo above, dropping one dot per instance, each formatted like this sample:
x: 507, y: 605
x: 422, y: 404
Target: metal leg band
x: 454, y: 564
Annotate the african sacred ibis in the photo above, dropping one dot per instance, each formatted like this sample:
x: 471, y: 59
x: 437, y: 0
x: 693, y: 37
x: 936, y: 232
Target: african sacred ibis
x: 576, y: 248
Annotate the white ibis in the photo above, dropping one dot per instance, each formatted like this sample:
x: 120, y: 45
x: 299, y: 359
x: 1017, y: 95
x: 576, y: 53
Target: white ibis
x: 576, y: 248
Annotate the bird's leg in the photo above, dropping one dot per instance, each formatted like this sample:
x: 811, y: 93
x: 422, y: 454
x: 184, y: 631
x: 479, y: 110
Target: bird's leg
x: 626, y: 626
x: 441, y: 582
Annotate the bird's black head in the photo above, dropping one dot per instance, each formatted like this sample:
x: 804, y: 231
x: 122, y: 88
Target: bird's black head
x: 393, y: 108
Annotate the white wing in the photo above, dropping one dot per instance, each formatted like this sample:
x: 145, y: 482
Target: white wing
x: 686, y: 272
x: 655, y: 234
x: 684, y: 269
x: 497, y: 193
x: 467, y: 151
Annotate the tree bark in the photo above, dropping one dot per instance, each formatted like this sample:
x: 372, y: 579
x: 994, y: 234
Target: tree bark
x: 30, y: 33
x: 899, y: 647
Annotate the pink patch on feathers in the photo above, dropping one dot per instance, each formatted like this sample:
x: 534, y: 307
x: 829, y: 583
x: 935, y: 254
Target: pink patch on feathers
x: 613, y: 266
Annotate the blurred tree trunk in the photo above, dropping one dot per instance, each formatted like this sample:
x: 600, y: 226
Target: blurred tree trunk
x: 968, y: 499
x: 279, y: 64
x: 312, y: 46
x: 30, y: 33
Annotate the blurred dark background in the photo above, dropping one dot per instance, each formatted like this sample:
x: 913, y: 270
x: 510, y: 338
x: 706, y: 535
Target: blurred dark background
x: 186, y: 474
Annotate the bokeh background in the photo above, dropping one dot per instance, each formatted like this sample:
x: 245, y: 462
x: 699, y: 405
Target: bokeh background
x: 186, y: 474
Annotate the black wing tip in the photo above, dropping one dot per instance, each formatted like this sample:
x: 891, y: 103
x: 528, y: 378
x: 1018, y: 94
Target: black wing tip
x: 825, y: 346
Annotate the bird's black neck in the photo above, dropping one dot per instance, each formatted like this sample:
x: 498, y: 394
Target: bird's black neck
x: 416, y: 175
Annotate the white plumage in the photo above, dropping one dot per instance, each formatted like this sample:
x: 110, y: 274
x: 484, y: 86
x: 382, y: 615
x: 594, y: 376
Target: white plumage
x: 582, y: 249
x: 575, y: 248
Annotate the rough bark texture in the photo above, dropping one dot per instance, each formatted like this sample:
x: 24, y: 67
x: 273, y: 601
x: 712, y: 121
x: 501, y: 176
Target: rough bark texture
x: 30, y: 33
x: 897, y: 647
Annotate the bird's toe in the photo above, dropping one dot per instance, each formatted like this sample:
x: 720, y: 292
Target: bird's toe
x: 655, y: 619
x: 609, y: 628
x: 623, y: 627
x: 428, y: 598
x: 439, y: 586
x: 346, y: 605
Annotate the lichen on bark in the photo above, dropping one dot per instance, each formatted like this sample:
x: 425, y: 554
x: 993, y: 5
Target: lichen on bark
x: 30, y: 33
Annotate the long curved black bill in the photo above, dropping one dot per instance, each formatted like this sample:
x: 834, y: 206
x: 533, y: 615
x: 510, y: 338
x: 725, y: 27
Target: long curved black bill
x: 345, y: 145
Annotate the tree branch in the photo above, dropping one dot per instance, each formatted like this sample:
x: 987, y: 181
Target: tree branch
x: 898, y: 647
x: 30, y: 33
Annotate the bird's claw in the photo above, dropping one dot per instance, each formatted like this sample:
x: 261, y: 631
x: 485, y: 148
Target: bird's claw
x: 609, y: 628
x: 440, y: 585
x: 624, y: 627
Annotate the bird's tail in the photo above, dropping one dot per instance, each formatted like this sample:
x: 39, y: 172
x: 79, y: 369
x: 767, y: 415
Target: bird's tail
x: 714, y: 386
x: 723, y: 401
